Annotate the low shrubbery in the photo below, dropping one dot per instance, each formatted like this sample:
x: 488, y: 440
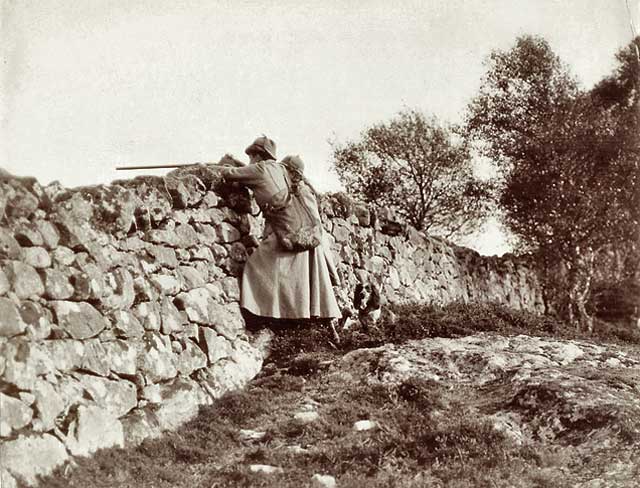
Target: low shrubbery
x: 417, y: 321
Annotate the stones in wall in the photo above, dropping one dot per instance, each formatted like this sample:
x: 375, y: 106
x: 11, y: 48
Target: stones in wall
x: 119, y: 313
x: 119, y: 304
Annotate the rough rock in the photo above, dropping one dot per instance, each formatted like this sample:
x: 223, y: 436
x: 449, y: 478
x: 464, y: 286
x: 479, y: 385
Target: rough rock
x: 216, y: 346
x: 38, y: 257
x: 63, y: 256
x: 119, y: 294
x: 172, y: 319
x: 11, y: 323
x: 191, y: 358
x: 550, y: 388
x: 5, y: 286
x: 49, y: 233
x: 94, y: 428
x: 306, y: 417
x: 66, y: 354
x: 24, y: 279
x: 79, y: 319
x: 24, y: 362
x: 57, y: 285
x: 156, y: 359
x: 117, y: 397
x: 232, y: 373
x: 362, y: 425
x: 323, y: 481
x: 95, y: 358
x: 125, y: 324
x: 265, y: 469
x: 148, y: 314
x: 17, y: 456
x: 48, y: 403
x: 166, y: 284
x: 15, y: 415
x: 9, y: 246
x: 180, y: 401
x: 139, y: 425
x: 121, y: 356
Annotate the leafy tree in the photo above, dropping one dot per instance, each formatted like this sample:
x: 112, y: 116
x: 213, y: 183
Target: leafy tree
x: 568, y: 158
x: 420, y: 169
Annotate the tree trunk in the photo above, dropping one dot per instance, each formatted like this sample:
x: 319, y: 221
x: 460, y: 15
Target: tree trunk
x: 578, y: 288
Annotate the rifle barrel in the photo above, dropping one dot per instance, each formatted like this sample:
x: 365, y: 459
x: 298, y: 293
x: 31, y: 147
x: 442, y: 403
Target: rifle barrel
x: 156, y: 166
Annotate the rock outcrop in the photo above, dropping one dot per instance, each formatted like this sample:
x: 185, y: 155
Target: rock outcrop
x: 119, y: 304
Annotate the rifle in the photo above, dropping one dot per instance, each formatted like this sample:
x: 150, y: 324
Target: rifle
x: 156, y: 166
x: 227, y: 160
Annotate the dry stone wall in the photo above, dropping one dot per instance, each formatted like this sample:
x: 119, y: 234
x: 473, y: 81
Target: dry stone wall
x: 119, y: 304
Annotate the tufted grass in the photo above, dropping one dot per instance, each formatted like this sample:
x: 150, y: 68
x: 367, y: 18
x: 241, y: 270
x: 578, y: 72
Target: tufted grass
x: 430, y: 434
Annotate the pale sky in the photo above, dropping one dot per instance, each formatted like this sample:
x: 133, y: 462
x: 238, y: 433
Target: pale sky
x: 91, y: 84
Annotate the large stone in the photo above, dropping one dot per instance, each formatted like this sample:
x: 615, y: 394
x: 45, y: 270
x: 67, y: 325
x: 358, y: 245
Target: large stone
x: 11, y: 323
x: 94, y: 428
x: 156, y: 360
x: 57, y: 285
x: 216, y: 346
x: 49, y: 404
x: 231, y: 288
x: 28, y: 457
x: 38, y: 257
x: 24, y: 279
x: 5, y: 286
x: 95, y: 358
x: 28, y: 235
x: 172, y: 319
x: 24, y: 362
x: 37, y: 318
x: 148, y: 313
x: 119, y: 290
x: 180, y: 401
x: 117, y: 397
x: 227, y: 233
x: 49, y: 233
x: 166, y: 284
x: 145, y: 291
x: 233, y: 373
x: 201, y: 308
x: 122, y: 357
x: 163, y: 237
x: 191, y: 358
x: 63, y: 256
x: 201, y: 253
x: 187, y: 235
x: 79, y: 319
x: 228, y: 321
x: 125, y: 324
x: 66, y: 354
x: 9, y: 246
x: 196, y: 303
x: 190, y: 278
x: 139, y: 425
x: 15, y: 414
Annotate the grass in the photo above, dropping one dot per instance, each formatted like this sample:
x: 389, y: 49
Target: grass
x: 429, y: 433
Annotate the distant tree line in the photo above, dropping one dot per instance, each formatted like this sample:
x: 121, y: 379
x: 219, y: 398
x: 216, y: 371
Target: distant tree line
x: 566, y: 159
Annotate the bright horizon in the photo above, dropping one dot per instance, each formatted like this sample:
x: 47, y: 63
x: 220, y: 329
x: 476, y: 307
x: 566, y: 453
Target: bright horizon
x: 87, y: 86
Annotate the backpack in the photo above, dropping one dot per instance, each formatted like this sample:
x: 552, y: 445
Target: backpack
x: 307, y: 236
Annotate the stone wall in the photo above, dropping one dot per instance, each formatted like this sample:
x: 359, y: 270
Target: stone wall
x: 119, y: 309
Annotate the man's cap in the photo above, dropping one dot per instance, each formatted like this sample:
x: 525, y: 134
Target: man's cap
x: 262, y: 144
x: 294, y: 163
